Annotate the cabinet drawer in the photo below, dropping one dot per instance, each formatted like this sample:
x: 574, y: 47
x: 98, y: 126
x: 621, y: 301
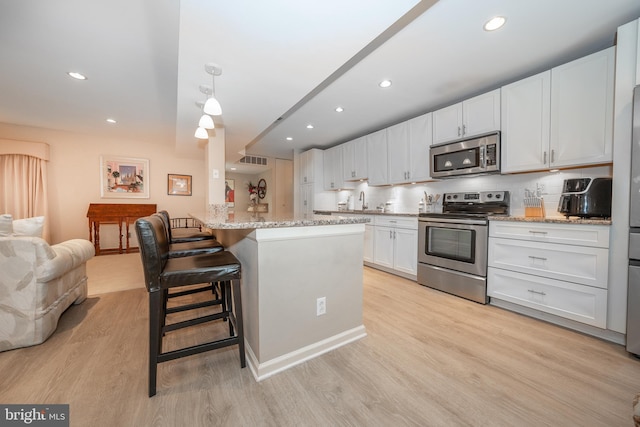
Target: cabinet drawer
x: 577, y: 264
x: 581, y: 303
x: 572, y: 234
x: 397, y: 221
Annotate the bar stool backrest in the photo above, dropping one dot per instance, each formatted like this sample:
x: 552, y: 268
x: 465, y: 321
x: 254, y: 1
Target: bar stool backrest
x: 167, y: 223
x: 154, y: 249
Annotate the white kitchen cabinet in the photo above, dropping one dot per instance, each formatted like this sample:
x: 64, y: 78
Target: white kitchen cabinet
x: 408, y: 146
x: 526, y: 115
x: 580, y: 303
x: 471, y: 117
x: 561, y: 269
x: 396, y: 245
x: 311, y: 165
x: 560, y: 118
x: 306, y: 200
x: 368, y: 242
x: 332, y: 171
x: 568, y: 234
x: 582, y: 110
x: 377, y: 158
x: 354, y: 156
x: 578, y: 264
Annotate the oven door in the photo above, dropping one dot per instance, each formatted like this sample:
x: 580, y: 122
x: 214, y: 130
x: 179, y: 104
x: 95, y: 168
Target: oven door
x: 456, y: 246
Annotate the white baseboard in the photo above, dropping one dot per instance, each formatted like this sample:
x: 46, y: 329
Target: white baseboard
x: 271, y: 367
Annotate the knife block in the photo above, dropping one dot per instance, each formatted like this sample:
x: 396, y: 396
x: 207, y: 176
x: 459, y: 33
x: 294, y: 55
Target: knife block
x: 535, y: 211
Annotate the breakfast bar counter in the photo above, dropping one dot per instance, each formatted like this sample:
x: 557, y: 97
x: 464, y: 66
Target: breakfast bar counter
x: 292, y: 268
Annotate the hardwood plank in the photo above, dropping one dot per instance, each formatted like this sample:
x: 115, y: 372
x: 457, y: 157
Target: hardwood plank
x: 429, y: 359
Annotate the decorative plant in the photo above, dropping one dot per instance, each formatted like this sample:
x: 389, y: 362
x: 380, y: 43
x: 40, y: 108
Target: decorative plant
x: 253, y: 192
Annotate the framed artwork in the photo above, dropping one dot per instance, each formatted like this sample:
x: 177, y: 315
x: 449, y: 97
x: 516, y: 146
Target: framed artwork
x: 229, y: 192
x: 178, y: 185
x: 124, y: 177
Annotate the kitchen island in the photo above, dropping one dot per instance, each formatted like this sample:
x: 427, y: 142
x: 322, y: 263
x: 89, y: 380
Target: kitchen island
x: 289, y: 266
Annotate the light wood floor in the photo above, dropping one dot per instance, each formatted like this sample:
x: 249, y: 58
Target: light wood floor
x: 430, y: 359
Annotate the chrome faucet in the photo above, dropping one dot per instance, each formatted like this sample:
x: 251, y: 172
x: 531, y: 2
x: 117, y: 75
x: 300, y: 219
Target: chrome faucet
x: 364, y: 205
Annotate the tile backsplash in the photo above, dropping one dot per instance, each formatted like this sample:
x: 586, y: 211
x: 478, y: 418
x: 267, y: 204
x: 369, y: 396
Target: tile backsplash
x: 406, y: 198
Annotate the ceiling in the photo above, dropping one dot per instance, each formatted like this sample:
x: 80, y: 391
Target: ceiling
x: 285, y: 63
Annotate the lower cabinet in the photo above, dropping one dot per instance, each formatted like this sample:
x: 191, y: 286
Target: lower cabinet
x: 584, y: 304
x: 391, y: 243
x: 560, y: 269
x: 395, y: 245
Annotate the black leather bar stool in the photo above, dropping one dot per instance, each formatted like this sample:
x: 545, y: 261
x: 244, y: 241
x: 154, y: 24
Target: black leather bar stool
x: 163, y: 273
x: 191, y: 248
x: 190, y: 237
x: 188, y: 248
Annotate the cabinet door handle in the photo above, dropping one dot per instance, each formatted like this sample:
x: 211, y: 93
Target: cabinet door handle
x: 464, y: 130
x: 544, y: 160
x: 536, y: 292
x: 537, y: 232
x: 553, y: 152
x: 390, y: 234
x: 537, y: 257
x: 459, y: 131
x: 394, y: 235
x: 408, y: 175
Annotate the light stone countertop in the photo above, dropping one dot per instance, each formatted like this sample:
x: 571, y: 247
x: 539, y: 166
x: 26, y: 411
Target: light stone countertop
x: 554, y: 220
x: 365, y: 212
x: 246, y: 220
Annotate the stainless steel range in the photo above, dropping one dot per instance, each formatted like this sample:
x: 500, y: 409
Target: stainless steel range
x: 452, y: 245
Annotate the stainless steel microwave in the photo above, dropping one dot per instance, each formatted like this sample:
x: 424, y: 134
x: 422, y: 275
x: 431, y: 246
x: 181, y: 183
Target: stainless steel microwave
x: 473, y: 156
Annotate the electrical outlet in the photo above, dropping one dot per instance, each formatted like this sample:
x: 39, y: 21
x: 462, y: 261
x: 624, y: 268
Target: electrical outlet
x: 321, y: 306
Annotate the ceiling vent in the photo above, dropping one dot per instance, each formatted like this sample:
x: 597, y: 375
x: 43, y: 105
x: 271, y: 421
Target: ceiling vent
x: 254, y: 160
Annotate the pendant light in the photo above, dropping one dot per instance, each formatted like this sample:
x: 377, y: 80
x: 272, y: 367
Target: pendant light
x: 205, y: 120
x: 201, y: 133
x: 212, y: 106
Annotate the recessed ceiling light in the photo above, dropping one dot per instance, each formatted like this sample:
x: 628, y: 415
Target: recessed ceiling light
x: 111, y: 120
x: 495, y: 23
x: 289, y: 138
x: 385, y: 83
x: 309, y: 126
x: 339, y: 109
x: 76, y: 75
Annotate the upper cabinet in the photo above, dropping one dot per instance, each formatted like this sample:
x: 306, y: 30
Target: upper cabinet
x: 560, y: 118
x: 333, y: 165
x: 377, y: 158
x: 311, y: 164
x: 474, y: 116
x: 408, y: 146
x: 354, y: 157
x: 526, y: 112
x: 582, y: 110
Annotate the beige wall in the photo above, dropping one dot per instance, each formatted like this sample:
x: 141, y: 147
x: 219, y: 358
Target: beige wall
x: 74, y: 175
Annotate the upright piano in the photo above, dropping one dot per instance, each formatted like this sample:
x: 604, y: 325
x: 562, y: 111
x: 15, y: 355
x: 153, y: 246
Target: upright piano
x: 113, y: 213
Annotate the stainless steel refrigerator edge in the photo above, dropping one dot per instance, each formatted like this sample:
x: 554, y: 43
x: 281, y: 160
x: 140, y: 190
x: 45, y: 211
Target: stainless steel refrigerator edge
x: 633, y: 293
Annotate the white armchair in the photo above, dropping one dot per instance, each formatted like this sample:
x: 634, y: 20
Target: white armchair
x: 38, y: 282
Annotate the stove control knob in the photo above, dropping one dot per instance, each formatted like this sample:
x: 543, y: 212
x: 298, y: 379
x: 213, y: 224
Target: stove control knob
x: 448, y: 197
x: 490, y: 196
x: 455, y: 196
x: 498, y: 195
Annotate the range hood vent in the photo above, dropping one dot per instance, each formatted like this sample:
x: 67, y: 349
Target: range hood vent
x: 253, y: 160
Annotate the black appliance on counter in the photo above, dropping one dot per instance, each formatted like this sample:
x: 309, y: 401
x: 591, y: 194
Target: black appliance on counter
x: 586, y: 198
x: 453, y: 245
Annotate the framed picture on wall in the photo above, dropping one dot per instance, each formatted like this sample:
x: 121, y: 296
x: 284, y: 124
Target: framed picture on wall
x: 124, y: 177
x: 178, y: 185
x: 229, y: 192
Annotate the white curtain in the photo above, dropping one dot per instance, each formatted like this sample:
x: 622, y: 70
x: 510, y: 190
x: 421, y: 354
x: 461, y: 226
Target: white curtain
x: 23, y: 187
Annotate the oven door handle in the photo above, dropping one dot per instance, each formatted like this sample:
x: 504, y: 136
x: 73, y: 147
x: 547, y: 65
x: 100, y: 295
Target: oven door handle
x: 445, y: 221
